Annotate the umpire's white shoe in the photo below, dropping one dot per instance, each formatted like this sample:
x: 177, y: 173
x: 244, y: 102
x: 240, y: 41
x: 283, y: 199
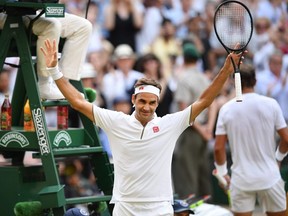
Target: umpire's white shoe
x: 49, y: 91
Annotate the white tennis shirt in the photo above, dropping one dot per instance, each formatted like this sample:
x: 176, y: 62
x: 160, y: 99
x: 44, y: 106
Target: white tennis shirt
x: 142, y: 156
x: 250, y: 127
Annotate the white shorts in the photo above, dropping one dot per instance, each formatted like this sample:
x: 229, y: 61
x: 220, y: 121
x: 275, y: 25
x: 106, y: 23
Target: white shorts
x: 270, y: 200
x: 143, y: 209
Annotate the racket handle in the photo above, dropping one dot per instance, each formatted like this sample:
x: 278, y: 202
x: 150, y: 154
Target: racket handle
x: 220, y: 178
x: 238, y: 87
x: 223, y: 181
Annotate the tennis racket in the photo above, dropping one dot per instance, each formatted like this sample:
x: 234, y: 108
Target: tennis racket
x: 199, y: 201
x: 233, y: 24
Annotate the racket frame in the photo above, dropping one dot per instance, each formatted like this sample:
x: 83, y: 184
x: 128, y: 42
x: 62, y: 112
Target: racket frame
x: 237, y: 77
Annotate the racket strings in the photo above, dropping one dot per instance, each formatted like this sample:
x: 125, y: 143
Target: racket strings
x: 233, y: 25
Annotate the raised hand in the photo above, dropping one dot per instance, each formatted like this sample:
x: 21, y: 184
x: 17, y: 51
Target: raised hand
x: 50, y: 53
x: 235, y: 57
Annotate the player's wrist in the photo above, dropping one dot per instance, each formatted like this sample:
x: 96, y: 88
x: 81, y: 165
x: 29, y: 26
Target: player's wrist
x: 279, y: 155
x: 54, y: 72
x: 221, y: 169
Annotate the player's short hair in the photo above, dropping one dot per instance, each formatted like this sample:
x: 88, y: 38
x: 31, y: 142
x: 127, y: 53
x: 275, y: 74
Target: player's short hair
x: 147, y: 81
x: 248, y: 76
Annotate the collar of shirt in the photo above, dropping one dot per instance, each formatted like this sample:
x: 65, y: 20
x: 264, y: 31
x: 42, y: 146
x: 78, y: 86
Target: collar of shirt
x: 138, y: 122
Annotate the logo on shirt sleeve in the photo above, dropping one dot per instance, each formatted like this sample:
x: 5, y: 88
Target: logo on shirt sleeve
x: 155, y: 129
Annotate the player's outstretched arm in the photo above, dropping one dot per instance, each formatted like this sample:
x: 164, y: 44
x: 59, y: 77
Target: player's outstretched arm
x: 220, y: 159
x: 74, y: 97
x: 215, y: 87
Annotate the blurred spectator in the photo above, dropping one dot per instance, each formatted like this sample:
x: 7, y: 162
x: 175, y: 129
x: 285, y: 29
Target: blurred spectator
x: 208, y: 16
x: 169, y: 5
x: 77, y: 7
x: 102, y: 61
x: 272, y: 9
x: 190, y: 169
x: 253, y: 6
x: 151, y: 25
x: 281, y: 35
x: 180, y: 16
x: 102, y: 4
x: 205, y: 28
x: 199, y: 6
x: 76, y: 184
x: 217, y: 53
x: 96, y: 37
x: 197, y: 36
x: 123, y: 19
x: 88, y: 78
x: 273, y: 81
x: 166, y: 47
x: 261, y: 44
x: 4, y: 88
x: 180, y: 68
x: 4, y: 84
x: 122, y: 104
x: 194, y: 33
x: 11, y: 65
x: 120, y: 83
x: 88, y: 75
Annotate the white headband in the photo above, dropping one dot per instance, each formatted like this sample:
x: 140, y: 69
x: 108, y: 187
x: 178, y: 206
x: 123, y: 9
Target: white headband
x: 148, y: 89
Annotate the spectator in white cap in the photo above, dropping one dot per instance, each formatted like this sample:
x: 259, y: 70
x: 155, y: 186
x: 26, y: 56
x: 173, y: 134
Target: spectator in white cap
x: 88, y: 75
x: 119, y: 83
x: 88, y: 78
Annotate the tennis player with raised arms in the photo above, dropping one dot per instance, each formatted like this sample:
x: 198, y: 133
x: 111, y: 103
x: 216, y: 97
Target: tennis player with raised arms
x: 142, y: 144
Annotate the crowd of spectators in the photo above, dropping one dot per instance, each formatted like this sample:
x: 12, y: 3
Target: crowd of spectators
x: 154, y: 31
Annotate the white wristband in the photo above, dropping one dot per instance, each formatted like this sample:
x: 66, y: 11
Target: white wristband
x: 221, y: 169
x: 55, y: 72
x: 280, y: 156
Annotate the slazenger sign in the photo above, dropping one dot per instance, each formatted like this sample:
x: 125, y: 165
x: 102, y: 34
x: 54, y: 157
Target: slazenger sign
x: 14, y: 137
x: 40, y: 131
x: 54, y: 10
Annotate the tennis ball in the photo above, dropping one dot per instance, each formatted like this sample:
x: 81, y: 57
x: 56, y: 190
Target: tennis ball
x: 91, y: 94
x: 33, y: 208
